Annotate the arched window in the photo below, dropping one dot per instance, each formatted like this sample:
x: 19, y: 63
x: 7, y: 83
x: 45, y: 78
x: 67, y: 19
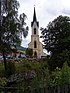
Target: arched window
x: 35, y: 44
x: 35, y: 54
x: 34, y: 30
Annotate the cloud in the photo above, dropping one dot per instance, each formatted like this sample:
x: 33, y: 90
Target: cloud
x: 66, y: 11
x: 24, y: 43
x: 46, y: 11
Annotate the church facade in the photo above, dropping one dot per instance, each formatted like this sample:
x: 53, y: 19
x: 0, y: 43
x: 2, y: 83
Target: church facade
x: 35, y: 43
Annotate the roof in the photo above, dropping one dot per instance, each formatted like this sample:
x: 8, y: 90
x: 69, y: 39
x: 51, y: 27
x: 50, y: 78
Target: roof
x: 34, y: 19
x: 34, y: 16
x: 21, y: 48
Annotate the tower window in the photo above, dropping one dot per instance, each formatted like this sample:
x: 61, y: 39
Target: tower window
x: 35, y: 44
x: 34, y: 30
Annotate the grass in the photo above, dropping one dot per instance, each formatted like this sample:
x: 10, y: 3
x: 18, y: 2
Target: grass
x: 1, y: 69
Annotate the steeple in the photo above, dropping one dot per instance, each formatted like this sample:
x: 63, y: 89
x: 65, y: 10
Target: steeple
x: 35, y: 43
x: 34, y: 16
x: 34, y: 19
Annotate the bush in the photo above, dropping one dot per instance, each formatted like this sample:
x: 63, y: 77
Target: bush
x: 10, y: 68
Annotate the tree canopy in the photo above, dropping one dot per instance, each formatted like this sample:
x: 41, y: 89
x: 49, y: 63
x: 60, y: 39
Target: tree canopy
x: 56, y: 38
x: 29, y: 52
x: 12, y: 26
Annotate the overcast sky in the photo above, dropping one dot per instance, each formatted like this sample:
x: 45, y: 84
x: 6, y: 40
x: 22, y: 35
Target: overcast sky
x: 46, y: 11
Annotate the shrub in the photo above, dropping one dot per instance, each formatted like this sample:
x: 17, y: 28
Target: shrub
x: 10, y: 68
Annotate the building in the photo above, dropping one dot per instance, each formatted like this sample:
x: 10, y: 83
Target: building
x: 35, y: 43
x: 19, y: 51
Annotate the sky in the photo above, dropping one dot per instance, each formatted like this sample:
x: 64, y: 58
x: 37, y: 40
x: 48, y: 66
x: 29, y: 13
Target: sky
x: 46, y: 11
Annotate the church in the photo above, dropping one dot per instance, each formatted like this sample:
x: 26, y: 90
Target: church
x: 35, y: 43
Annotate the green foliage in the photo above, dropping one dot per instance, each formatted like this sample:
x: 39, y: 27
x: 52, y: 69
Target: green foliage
x: 56, y: 77
x: 65, y: 56
x: 3, y: 82
x: 11, y: 26
x: 10, y: 68
x: 65, y: 74
x: 40, y: 74
x: 60, y: 76
x: 1, y: 70
x: 35, y: 75
x: 56, y: 38
x: 29, y: 52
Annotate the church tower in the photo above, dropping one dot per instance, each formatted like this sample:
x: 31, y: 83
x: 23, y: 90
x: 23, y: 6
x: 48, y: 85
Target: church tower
x: 35, y: 43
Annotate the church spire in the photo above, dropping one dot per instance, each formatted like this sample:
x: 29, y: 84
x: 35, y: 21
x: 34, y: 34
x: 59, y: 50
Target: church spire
x: 34, y: 16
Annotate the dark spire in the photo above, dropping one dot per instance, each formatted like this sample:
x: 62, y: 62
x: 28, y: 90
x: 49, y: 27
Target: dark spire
x: 34, y: 16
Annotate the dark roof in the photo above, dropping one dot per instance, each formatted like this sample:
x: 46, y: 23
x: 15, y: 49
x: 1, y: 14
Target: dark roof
x: 21, y: 48
x: 34, y: 19
x: 34, y: 16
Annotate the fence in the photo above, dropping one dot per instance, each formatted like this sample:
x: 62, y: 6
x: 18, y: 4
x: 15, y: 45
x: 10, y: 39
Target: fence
x: 54, y: 89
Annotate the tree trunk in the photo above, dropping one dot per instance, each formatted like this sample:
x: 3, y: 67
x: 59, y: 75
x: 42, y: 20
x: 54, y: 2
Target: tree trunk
x: 4, y: 58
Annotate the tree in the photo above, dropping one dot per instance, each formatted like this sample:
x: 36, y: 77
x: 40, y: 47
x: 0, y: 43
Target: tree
x: 65, y: 74
x: 29, y: 51
x: 56, y: 37
x: 11, y: 26
x: 56, y: 77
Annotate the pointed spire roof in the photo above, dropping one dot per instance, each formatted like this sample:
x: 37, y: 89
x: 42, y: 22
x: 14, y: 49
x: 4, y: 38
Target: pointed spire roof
x: 34, y: 16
